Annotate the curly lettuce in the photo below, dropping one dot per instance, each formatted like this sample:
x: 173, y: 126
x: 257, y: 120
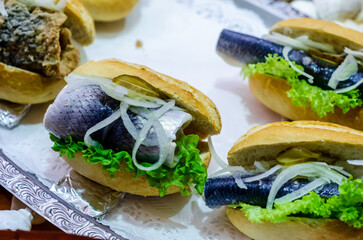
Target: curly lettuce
x: 190, y: 170
x: 302, y: 93
x: 347, y: 207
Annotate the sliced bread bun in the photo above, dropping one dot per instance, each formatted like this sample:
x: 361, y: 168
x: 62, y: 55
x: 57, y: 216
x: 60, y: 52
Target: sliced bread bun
x: 80, y: 22
x: 109, y: 10
x: 271, y: 91
x: 206, y: 121
x: 321, y: 31
x: 265, y: 143
x: 294, y: 229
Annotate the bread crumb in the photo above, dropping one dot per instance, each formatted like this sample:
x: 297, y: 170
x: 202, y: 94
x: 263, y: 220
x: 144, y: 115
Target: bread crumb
x: 138, y: 44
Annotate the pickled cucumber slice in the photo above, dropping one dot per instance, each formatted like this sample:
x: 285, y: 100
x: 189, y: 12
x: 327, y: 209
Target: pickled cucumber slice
x: 135, y: 84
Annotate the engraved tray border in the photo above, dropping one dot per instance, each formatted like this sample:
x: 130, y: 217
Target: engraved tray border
x: 28, y: 189
x: 278, y: 8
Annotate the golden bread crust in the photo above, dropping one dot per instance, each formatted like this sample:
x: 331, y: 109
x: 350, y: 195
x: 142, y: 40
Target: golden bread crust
x: 21, y: 86
x: 267, y: 141
x: 124, y: 181
x: 321, y: 31
x: 271, y: 91
x: 294, y: 228
x: 109, y: 10
x: 80, y: 22
x: 206, y: 118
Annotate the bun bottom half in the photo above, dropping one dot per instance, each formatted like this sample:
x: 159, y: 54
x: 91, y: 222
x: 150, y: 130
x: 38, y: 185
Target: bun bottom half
x: 124, y: 181
x: 271, y: 91
x: 25, y: 87
x: 294, y: 229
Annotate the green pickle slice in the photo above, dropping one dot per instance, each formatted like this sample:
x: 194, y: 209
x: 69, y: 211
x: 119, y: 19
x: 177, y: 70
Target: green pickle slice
x: 135, y: 84
x: 299, y: 155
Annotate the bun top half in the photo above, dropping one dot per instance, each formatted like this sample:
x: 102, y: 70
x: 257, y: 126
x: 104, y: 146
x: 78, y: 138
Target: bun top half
x: 267, y: 141
x: 206, y: 118
x: 80, y: 22
x: 321, y: 31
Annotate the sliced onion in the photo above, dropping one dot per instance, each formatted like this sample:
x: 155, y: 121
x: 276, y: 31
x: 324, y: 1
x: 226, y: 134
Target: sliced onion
x: 303, y: 191
x: 143, y: 133
x: 77, y: 80
x: 286, y: 41
x: 341, y: 170
x: 259, y: 166
x: 164, y: 144
x: 107, y: 121
x: 130, y: 127
x: 285, y: 54
x: 263, y: 175
x: 343, y: 72
x: 215, y: 156
x: 229, y: 169
x: 347, y: 89
x: 303, y: 169
x: 356, y: 162
x: 47, y: 4
x: 324, y: 47
x: 357, y: 54
x: 140, y: 103
x: 238, y: 179
x: 3, y: 11
x: 299, y: 43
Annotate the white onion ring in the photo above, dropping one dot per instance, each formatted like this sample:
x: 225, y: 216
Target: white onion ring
x: 285, y: 54
x: 319, y: 182
x: 301, y: 170
x: 238, y: 180
x: 105, y: 122
x: 347, y: 89
x: 215, y: 156
x: 356, y: 162
x: 143, y: 133
x: 343, y: 72
x: 263, y: 175
x: 259, y: 166
x: 229, y: 169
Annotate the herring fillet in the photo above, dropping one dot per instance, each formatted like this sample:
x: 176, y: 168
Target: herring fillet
x: 221, y: 191
x: 73, y: 113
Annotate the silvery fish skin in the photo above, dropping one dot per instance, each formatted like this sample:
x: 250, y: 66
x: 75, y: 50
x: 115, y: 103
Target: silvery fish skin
x: 74, y: 112
x: 222, y: 191
x: 239, y: 49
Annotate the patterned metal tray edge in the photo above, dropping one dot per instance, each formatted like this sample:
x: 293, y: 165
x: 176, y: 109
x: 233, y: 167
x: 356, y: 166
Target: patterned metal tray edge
x: 277, y: 8
x: 38, y: 197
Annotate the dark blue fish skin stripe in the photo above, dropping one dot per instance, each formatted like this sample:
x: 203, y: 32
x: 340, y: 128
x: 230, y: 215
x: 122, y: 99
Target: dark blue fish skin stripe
x: 223, y: 191
x: 249, y: 49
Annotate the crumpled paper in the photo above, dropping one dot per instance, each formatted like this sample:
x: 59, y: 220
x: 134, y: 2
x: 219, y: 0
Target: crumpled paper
x: 16, y: 220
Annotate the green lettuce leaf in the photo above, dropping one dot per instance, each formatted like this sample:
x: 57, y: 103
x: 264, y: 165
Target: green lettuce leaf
x: 190, y: 170
x: 302, y: 93
x: 347, y: 207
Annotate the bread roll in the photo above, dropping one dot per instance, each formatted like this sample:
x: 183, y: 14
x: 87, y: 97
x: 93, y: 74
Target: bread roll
x: 206, y: 121
x: 109, y: 10
x: 265, y: 143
